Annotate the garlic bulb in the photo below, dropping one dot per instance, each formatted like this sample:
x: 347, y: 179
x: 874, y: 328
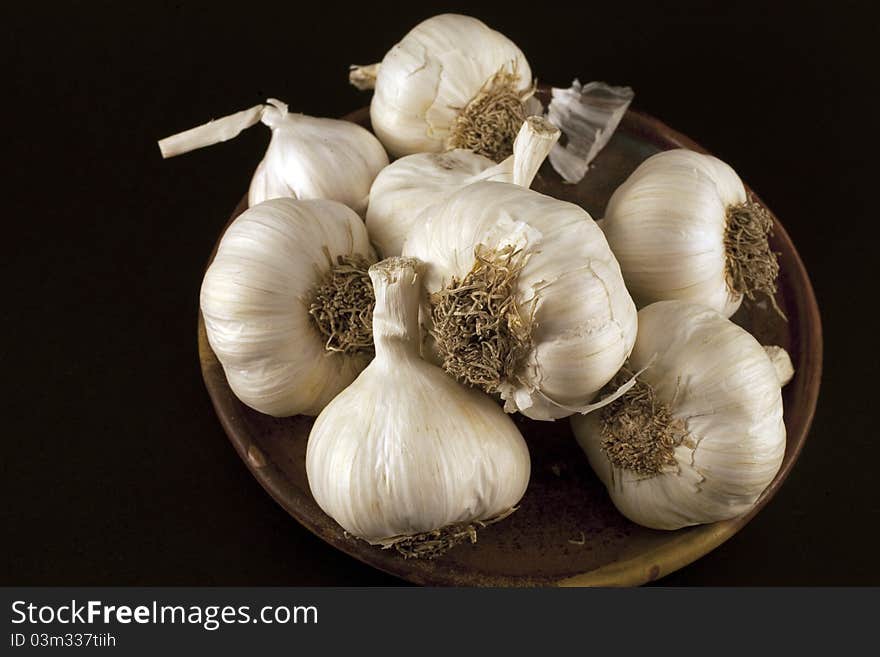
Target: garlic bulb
x: 701, y: 435
x: 683, y: 227
x: 307, y: 158
x: 406, y: 456
x: 527, y: 298
x: 407, y: 187
x: 287, y: 304
x: 451, y: 82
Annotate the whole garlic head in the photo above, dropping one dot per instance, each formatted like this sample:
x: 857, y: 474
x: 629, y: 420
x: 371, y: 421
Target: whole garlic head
x: 682, y: 227
x: 405, y: 450
x: 440, y: 80
x: 406, y: 189
x: 307, y: 157
x: 701, y: 435
x: 310, y: 157
x: 271, y: 295
x: 527, y: 299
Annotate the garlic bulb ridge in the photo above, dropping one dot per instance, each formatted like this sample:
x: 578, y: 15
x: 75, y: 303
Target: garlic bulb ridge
x: 307, y: 157
x: 701, y: 435
x: 286, y: 304
x: 406, y: 456
x: 682, y: 227
x: 527, y: 300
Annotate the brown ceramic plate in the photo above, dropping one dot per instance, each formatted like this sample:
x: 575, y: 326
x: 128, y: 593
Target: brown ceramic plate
x: 566, y: 531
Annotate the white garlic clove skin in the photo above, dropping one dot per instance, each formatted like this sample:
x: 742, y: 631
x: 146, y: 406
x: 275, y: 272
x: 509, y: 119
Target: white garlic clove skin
x: 584, y: 322
x: 407, y: 188
x: 255, y: 303
x: 717, y: 378
x: 307, y: 157
x: 666, y: 225
x: 432, y: 74
x: 311, y: 158
x: 405, y: 449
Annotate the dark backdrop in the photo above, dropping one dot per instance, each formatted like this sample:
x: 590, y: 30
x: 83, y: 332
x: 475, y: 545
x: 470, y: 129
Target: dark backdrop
x: 114, y: 467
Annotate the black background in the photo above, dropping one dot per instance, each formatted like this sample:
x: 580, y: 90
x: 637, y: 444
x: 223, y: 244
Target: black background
x: 115, y: 470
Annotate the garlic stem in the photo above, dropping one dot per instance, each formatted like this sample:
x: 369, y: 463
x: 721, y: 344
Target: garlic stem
x: 274, y: 111
x: 211, y: 132
x: 219, y: 130
x: 396, y: 313
x: 363, y: 77
x: 781, y: 363
x: 533, y: 143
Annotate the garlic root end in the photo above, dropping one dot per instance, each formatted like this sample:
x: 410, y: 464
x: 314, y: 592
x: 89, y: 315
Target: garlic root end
x: 432, y: 544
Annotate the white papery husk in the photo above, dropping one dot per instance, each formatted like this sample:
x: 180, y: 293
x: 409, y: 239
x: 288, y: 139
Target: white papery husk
x: 255, y: 301
x: 719, y: 380
x: 405, y: 449
x: 666, y: 225
x: 588, y: 115
x: 583, y: 319
x: 424, y: 81
x: 307, y: 158
x: 406, y: 189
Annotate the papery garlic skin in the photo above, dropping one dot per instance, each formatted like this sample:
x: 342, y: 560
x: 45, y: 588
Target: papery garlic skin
x: 307, y: 157
x: 405, y: 449
x: 719, y: 380
x: 255, y: 303
x: 588, y: 115
x: 408, y: 187
x: 666, y: 225
x: 584, y: 321
x: 424, y: 81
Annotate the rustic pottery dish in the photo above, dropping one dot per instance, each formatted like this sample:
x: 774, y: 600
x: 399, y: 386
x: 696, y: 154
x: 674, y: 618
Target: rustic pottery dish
x: 566, y: 531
